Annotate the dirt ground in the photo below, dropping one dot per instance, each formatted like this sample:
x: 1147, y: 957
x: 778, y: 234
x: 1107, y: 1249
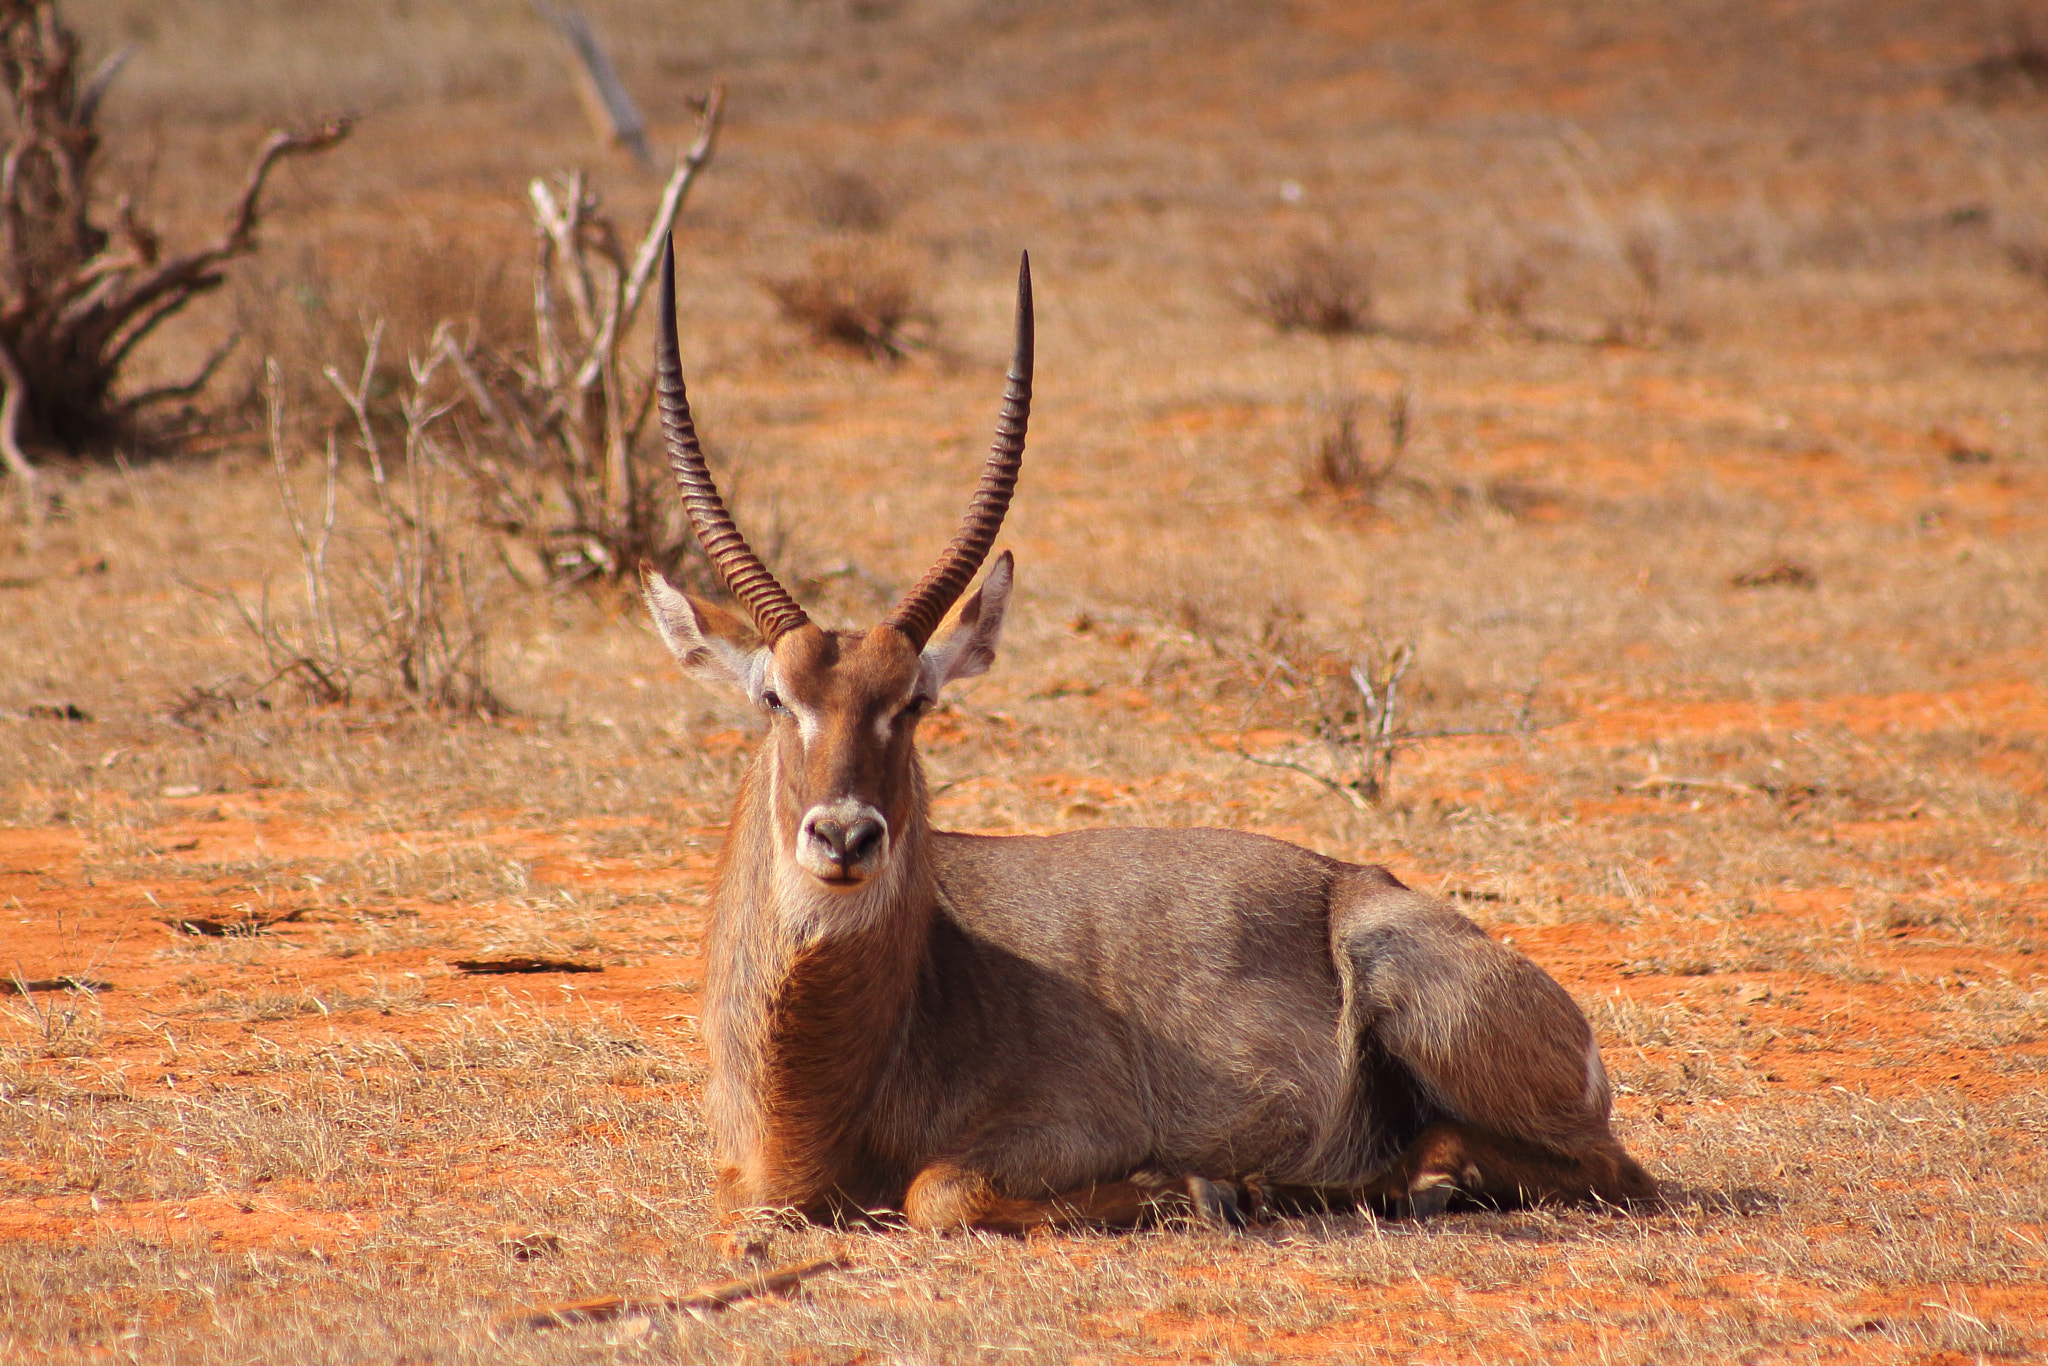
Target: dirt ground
x: 1733, y: 540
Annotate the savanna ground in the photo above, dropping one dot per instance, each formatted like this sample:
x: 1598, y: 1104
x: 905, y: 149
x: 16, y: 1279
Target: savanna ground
x: 1783, y: 841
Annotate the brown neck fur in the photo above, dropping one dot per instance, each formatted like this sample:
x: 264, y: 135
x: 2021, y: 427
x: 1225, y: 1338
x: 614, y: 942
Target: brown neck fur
x: 807, y: 996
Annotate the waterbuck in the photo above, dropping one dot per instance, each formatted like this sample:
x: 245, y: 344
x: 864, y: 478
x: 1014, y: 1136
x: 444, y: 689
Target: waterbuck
x: 967, y: 1031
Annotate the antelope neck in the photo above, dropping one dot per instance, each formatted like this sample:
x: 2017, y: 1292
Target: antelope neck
x: 819, y: 1016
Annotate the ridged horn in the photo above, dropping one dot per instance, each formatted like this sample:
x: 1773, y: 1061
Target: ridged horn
x: 774, y: 611
x: 922, y: 608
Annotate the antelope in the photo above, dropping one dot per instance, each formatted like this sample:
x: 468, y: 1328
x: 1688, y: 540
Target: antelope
x: 1104, y: 1027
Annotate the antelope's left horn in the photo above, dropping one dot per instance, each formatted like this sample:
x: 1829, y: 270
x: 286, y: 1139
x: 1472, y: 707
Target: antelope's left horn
x: 922, y: 608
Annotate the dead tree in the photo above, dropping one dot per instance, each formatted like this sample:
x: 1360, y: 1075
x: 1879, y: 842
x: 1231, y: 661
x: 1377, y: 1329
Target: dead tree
x: 605, y: 99
x: 566, y: 428
x: 77, y: 297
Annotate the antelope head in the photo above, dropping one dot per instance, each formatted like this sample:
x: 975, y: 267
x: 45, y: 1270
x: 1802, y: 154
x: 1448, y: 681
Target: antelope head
x: 838, y: 773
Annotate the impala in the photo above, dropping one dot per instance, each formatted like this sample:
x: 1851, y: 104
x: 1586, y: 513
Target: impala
x: 967, y: 1031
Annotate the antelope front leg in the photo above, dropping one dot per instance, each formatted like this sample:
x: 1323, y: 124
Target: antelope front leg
x: 946, y: 1197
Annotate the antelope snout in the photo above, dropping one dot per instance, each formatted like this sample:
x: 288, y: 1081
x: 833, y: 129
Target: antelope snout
x: 845, y: 841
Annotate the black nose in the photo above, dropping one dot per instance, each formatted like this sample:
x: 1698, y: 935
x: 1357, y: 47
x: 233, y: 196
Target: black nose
x: 849, y: 844
x: 863, y: 839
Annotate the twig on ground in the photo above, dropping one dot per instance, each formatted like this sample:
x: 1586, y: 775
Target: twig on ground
x: 708, y: 1299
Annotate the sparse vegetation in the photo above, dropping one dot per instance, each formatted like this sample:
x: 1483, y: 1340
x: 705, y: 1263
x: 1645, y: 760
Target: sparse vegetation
x: 1347, y: 717
x: 394, y: 610
x: 2027, y: 249
x: 847, y: 199
x: 1649, y: 250
x: 2014, y: 71
x: 567, y: 463
x: 306, y: 309
x: 1501, y: 281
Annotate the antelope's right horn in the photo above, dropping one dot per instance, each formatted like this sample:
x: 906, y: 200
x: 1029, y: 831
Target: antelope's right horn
x: 918, y: 615
x: 774, y: 611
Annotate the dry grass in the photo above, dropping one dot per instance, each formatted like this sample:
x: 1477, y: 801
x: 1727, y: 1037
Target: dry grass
x: 1783, y: 842
x: 308, y: 309
x: 848, y: 199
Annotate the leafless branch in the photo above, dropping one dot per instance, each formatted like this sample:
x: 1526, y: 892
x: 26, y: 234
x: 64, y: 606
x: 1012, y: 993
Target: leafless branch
x: 400, y: 619
x: 10, y: 433
x: 573, y: 417
x: 704, y: 1300
x: 605, y: 96
x: 1363, y: 743
x: 167, y: 392
x: 95, y: 87
x: 688, y: 166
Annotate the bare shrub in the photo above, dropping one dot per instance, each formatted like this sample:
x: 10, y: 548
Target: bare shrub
x: 1318, y: 287
x: 1349, y: 710
x: 1501, y: 279
x: 2026, y: 250
x: 1646, y: 251
x: 77, y: 298
x: 392, y: 611
x: 570, y: 466
x: 66, y: 1020
x: 854, y: 295
x: 1337, y: 465
x: 847, y: 199
x: 1645, y: 244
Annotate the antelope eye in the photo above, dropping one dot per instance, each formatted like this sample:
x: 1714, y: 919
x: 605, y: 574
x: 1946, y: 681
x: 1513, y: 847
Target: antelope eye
x: 772, y: 700
x: 914, y: 708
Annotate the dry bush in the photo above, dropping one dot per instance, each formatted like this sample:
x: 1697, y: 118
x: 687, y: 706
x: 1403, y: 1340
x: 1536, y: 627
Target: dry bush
x: 1314, y: 286
x: 78, y: 298
x: 1336, y: 464
x: 391, y: 608
x: 2026, y: 249
x: 1647, y: 244
x: 54, y: 1019
x: 856, y: 295
x: 1345, y: 708
x: 1501, y: 280
x: 847, y: 199
x: 570, y: 466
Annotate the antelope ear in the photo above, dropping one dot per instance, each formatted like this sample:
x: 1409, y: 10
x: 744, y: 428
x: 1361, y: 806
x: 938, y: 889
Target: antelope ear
x: 970, y: 647
x: 708, y: 641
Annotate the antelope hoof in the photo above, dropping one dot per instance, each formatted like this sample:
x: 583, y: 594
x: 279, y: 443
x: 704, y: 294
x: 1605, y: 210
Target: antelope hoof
x: 1214, y: 1204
